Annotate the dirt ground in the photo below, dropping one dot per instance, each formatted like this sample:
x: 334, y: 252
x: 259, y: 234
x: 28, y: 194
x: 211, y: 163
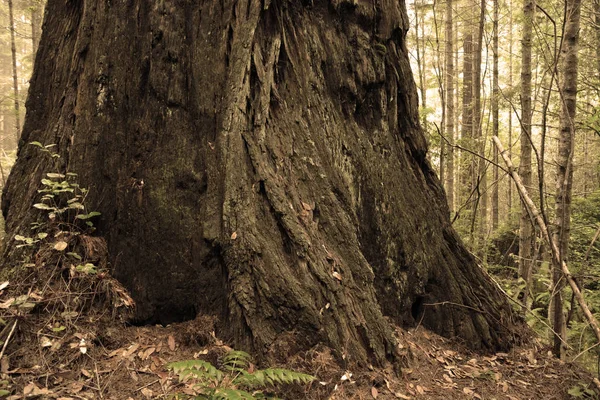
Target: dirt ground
x: 106, y: 359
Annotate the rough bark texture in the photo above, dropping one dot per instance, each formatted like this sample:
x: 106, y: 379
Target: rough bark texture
x: 257, y: 160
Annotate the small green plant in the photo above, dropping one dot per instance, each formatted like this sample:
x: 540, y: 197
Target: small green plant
x: 582, y: 391
x: 236, y: 380
x: 63, y: 199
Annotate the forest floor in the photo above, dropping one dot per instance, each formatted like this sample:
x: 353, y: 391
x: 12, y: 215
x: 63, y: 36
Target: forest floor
x: 105, y: 359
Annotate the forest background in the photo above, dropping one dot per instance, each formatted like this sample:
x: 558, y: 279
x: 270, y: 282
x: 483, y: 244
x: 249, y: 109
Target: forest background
x: 483, y: 69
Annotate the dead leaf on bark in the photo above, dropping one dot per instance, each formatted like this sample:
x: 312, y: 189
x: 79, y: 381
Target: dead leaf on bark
x: 233, y: 235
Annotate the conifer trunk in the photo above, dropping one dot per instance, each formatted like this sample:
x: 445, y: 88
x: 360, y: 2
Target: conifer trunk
x: 449, y: 97
x: 564, y: 162
x: 526, y: 234
x: 251, y: 160
x: 13, y: 50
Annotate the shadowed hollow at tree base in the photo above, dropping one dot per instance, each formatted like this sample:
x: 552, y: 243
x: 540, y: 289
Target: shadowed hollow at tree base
x: 261, y: 161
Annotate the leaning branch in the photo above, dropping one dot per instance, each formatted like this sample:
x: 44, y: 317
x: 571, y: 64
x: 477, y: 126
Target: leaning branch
x: 533, y: 211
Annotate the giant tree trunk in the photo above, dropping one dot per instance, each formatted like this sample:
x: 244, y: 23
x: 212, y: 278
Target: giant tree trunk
x: 257, y: 160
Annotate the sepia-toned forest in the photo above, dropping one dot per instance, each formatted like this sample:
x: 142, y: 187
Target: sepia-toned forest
x: 316, y: 199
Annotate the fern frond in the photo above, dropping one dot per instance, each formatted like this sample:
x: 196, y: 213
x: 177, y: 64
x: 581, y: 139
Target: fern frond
x: 236, y: 360
x: 279, y: 375
x: 232, y: 394
x: 198, y: 369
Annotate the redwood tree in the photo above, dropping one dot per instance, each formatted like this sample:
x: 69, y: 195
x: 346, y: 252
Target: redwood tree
x: 261, y: 161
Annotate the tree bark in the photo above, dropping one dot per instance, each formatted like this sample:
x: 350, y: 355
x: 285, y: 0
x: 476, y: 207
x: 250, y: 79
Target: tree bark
x: 479, y: 167
x: 251, y: 159
x: 13, y: 50
x: 449, y: 103
x: 526, y: 232
x: 36, y: 11
x: 495, y: 118
x: 564, y: 160
x: 510, y: 108
x: 467, y: 121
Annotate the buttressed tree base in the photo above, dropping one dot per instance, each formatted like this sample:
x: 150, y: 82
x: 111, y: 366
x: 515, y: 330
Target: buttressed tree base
x: 261, y: 161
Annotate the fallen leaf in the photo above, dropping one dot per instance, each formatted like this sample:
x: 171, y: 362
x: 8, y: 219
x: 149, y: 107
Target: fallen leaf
x: 76, y: 387
x: 374, y: 392
x: 468, y: 391
x: 132, y: 349
x: 86, y: 373
x: 147, y: 392
x: 147, y: 353
x: 402, y: 396
x: 3, y: 285
x: 82, y: 346
x: 420, y: 389
x: 171, y: 342
x: 45, y: 341
x: 346, y: 376
x: 4, y: 365
x: 233, y: 235
x: 28, y: 389
x: 60, y: 246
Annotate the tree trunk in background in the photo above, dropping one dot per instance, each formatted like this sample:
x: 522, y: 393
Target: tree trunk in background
x: 420, y: 53
x: 449, y: 103
x: 458, y: 156
x: 36, y: 12
x: 597, y: 29
x: 495, y: 119
x: 510, y: 106
x: 275, y: 142
x: 564, y: 160
x: 479, y: 167
x: 526, y: 232
x: 467, y: 161
x: 13, y: 49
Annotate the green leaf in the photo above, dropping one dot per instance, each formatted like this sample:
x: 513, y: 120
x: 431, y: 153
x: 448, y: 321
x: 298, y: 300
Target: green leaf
x: 87, y: 268
x: 76, y: 206
x: 38, y: 144
x: 4, y: 392
x: 42, y: 206
x: 71, y: 174
x: 90, y: 215
x: 59, y: 328
x: 74, y: 255
x: 54, y: 175
x: 42, y: 235
x: 20, y: 238
x: 575, y: 391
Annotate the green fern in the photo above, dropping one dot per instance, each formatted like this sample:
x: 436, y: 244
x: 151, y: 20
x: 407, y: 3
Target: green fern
x: 234, y: 382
